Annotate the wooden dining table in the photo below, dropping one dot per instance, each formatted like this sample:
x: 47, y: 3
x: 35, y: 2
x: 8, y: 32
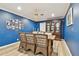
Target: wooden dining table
x: 50, y: 40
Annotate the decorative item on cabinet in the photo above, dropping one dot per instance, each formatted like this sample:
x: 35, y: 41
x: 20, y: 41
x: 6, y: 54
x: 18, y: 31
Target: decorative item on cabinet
x: 54, y: 26
x: 57, y: 29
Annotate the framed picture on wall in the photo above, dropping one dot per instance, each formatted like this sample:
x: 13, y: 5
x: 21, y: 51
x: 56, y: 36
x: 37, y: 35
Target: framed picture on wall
x: 8, y: 24
x: 69, y: 17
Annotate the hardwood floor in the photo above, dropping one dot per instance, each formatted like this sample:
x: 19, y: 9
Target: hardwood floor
x: 13, y: 51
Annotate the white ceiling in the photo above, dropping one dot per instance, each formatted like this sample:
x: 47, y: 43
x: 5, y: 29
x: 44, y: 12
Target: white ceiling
x: 28, y: 9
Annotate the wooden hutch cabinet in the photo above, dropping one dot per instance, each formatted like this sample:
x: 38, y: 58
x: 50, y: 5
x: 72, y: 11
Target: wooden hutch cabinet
x: 54, y: 26
x: 50, y: 26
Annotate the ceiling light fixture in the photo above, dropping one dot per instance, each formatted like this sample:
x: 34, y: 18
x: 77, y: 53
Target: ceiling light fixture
x: 53, y: 15
x: 19, y: 8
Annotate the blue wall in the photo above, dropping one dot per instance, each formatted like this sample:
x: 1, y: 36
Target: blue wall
x: 8, y: 36
x: 71, y: 33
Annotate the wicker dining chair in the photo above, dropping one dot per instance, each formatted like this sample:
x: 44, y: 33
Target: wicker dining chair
x: 30, y: 42
x: 23, y: 42
x: 41, y: 44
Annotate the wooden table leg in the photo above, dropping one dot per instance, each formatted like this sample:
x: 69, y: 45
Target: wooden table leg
x: 49, y: 48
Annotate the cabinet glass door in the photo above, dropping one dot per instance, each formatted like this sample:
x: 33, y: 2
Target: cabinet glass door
x: 48, y: 26
x: 57, y: 26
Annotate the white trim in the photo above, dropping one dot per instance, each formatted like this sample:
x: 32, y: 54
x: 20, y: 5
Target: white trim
x: 8, y: 45
x: 15, y: 13
x: 66, y: 47
x: 12, y: 12
x: 69, y: 14
x: 8, y: 10
x: 63, y: 41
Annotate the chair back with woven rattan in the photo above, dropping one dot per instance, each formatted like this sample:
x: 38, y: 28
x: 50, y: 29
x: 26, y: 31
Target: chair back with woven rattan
x: 23, y: 37
x: 30, y: 38
x: 41, y: 40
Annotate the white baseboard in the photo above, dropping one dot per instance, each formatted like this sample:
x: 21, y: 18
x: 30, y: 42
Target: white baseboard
x: 64, y: 42
x: 8, y: 45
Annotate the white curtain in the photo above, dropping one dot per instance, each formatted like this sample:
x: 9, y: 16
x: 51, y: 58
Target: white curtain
x: 43, y: 26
